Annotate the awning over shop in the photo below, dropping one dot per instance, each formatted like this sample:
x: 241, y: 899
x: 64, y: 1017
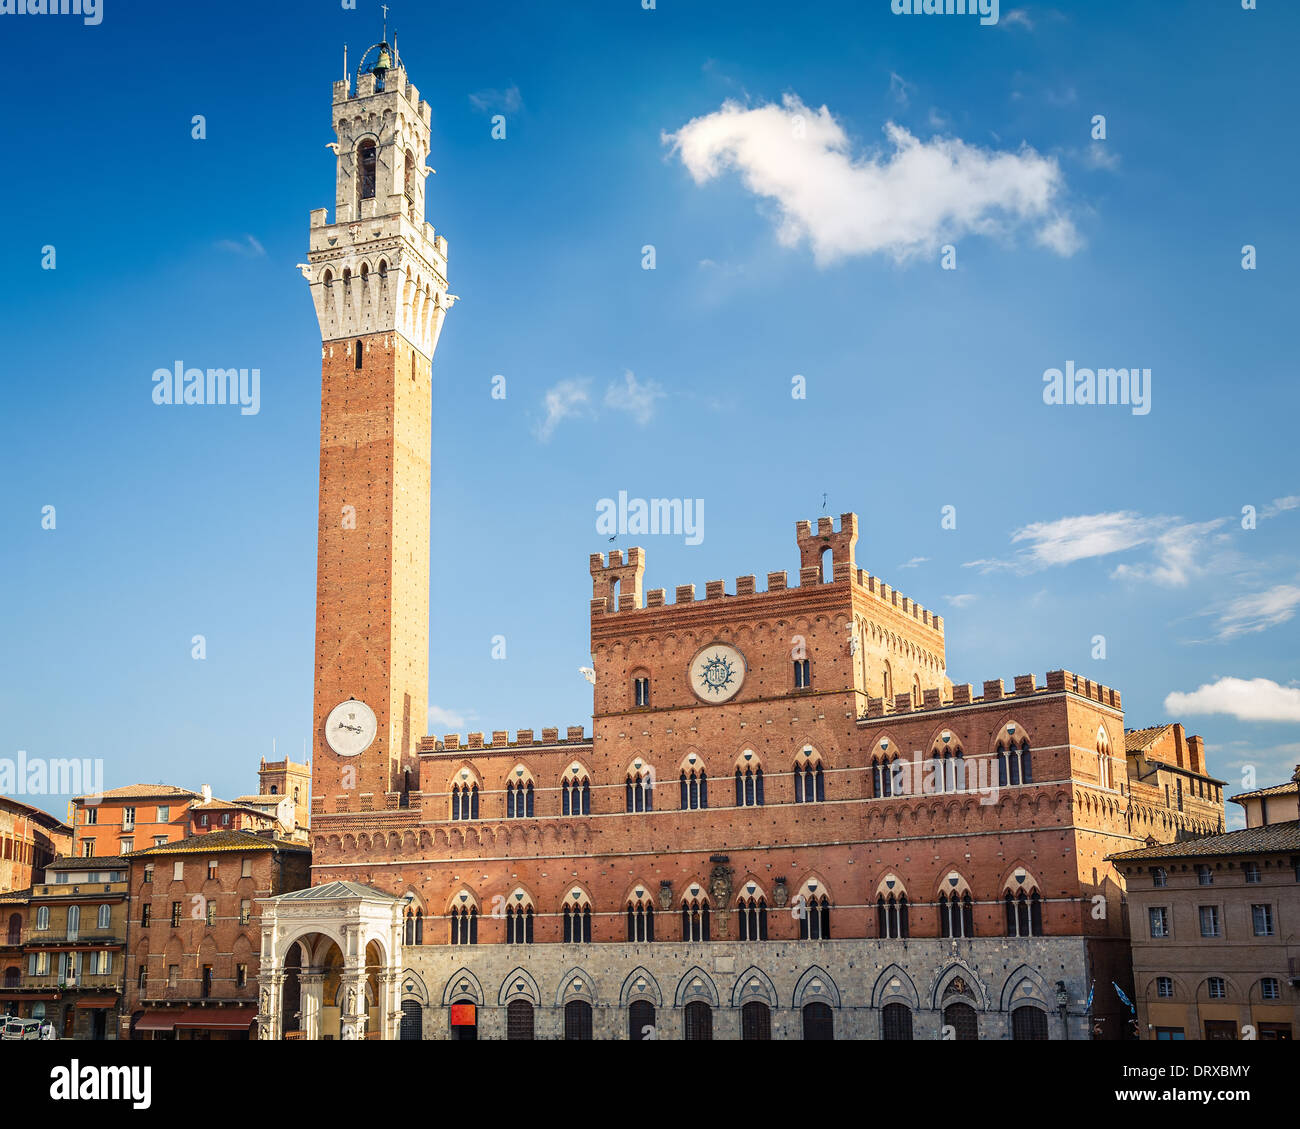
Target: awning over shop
x: 104, y: 1001
x: 218, y: 1019
x: 158, y: 1020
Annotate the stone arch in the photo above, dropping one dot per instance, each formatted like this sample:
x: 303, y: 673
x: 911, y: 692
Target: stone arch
x: 894, y: 985
x: 950, y: 972
x: 640, y: 984
x: 696, y: 984
x: 575, y: 985
x: 1024, y: 985
x: 463, y: 985
x: 754, y: 984
x: 519, y: 985
x: 815, y: 985
x: 413, y: 987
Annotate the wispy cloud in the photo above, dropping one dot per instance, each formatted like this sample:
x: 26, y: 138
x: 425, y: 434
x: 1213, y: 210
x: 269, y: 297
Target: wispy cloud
x: 903, y: 201
x: 960, y: 600
x: 636, y: 398
x: 1017, y: 17
x: 1256, y: 699
x: 1177, y: 547
x: 444, y: 719
x: 914, y: 562
x: 502, y: 101
x: 566, y: 399
x: 1258, y: 611
x: 249, y: 247
x: 1179, y: 554
x: 1280, y: 505
x: 570, y: 399
x: 899, y: 89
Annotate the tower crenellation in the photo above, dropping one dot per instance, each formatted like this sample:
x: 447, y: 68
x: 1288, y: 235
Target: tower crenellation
x: 380, y: 267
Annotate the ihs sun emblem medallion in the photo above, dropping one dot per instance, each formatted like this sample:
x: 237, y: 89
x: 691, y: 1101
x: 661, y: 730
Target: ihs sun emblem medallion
x: 717, y: 674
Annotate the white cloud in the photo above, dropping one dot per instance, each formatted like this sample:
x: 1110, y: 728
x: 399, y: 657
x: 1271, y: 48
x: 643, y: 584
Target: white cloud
x: 1099, y: 155
x: 447, y: 720
x: 914, y: 562
x: 905, y: 200
x: 1016, y: 16
x: 1070, y: 539
x: 1259, y: 611
x: 1280, y: 505
x: 568, y: 398
x: 1259, y: 699
x: 961, y: 600
x: 508, y: 100
x: 899, y: 88
x: 1177, y: 547
x: 1179, y: 555
x: 249, y: 247
x: 633, y: 397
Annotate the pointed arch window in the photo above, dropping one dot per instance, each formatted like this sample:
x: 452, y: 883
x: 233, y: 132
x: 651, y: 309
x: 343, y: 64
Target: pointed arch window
x: 1014, y: 764
x: 640, y: 790
x: 1024, y: 913
x: 640, y: 920
x: 367, y: 160
x: 575, y: 796
x: 695, y: 789
x: 809, y: 782
x: 519, y: 924
x: 414, y: 932
x: 749, y: 787
x: 814, y: 915
x: 751, y: 914
x: 886, y: 777
x: 695, y: 919
x: 891, y: 916
x: 803, y: 674
x: 464, y: 925
x: 464, y: 801
x: 519, y: 799
x: 577, y: 924
x: 957, y: 915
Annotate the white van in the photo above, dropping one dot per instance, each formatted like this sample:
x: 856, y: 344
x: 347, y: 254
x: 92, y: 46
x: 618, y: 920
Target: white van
x: 20, y: 1029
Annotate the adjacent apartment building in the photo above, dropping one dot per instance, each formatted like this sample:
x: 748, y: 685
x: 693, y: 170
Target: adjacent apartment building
x: 196, y: 931
x: 1215, y: 926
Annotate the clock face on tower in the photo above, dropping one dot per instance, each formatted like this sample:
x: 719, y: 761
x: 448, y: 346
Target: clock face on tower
x: 350, y: 728
x: 717, y: 672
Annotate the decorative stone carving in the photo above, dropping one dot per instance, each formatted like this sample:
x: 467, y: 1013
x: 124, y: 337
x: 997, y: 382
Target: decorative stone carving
x: 720, y: 894
x: 665, y: 895
x: 780, y: 894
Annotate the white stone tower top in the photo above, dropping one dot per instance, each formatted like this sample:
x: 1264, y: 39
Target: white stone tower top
x: 379, y: 267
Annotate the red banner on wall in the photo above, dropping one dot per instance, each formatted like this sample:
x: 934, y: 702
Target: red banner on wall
x: 462, y: 1015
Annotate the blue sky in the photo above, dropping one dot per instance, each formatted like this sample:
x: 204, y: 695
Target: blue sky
x: 673, y: 128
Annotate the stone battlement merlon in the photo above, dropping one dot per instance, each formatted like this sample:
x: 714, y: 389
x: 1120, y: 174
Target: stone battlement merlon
x: 1024, y: 686
x: 395, y: 82
x: 500, y: 740
x: 625, y: 577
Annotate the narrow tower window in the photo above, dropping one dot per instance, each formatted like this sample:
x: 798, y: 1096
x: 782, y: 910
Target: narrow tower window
x: 357, y: 350
x: 366, y: 170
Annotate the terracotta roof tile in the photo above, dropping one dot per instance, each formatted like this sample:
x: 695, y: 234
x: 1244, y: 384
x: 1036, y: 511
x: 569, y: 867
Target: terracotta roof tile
x: 1253, y: 840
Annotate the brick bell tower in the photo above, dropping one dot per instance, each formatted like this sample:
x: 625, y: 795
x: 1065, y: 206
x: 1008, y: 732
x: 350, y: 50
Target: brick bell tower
x: 378, y: 278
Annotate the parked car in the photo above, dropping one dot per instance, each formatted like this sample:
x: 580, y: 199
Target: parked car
x: 15, y: 1029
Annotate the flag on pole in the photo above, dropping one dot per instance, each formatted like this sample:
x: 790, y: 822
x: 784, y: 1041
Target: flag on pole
x: 1091, y: 989
x: 1120, y: 993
